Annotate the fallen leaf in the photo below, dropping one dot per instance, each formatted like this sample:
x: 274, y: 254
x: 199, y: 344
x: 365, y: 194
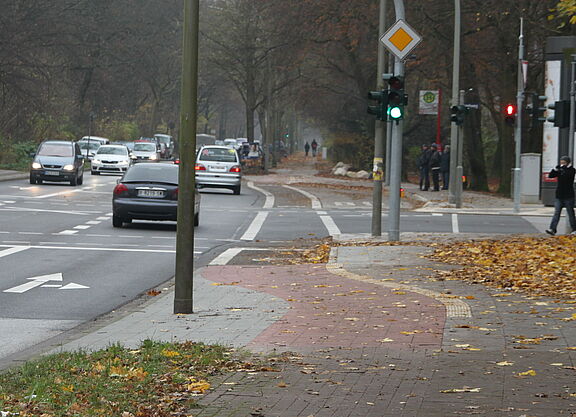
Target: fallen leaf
x: 459, y: 390
x: 504, y: 363
x: 531, y: 372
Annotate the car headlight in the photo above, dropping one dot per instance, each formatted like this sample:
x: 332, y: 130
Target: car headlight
x: 95, y: 161
x: 123, y: 162
x: 68, y: 167
x: 36, y: 165
x: 153, y: 157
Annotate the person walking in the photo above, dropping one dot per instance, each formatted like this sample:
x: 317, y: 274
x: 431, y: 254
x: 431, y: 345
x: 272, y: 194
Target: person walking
x: 435, y: 166
x: 445, y: 167
x: 423, y: 163
x: 307, y: 148
x: 314, y: 147
x: 565, y: 173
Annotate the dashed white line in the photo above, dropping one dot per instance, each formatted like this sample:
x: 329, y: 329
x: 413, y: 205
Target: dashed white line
x: 455, y: 226
x: 330, y: 225
x: 255, y: 226
x: 269, y: 203
x: 98, y: 249
x: 93, y: 222
x: 67, y: 232
x: 102, y: 218
x: 30, y: 233
x: 82, y: 227
x: 229, y: 254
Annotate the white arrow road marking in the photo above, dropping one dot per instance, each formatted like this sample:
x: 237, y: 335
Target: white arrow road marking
x: 73, y: 286
x: 34, y: 282
x: 10, y: 251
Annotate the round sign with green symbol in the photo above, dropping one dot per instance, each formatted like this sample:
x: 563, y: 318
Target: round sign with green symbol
x: 429, y: 97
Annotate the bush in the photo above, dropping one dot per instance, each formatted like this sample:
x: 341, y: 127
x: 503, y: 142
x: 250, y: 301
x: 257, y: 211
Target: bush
x: 16, y: 155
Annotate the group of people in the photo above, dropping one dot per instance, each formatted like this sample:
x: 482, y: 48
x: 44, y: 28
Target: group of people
x: 434, y: 162
x: 314, y: 148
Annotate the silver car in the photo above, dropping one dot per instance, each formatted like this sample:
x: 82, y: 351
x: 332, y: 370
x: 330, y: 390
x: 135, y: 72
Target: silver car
x: 145, y: 152
x: 111, y: 158
x: 218, y: 167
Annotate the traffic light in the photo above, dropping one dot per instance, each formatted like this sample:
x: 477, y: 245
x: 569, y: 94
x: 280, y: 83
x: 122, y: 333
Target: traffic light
x: 379, y: 110
x: 537, y: 109
x: 458, y: 114
x: 396, y: 98
x: 510, y: 112
x: 561, y: 116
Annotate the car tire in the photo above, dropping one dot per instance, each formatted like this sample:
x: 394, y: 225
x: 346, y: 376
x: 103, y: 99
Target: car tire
x: 81, y: 180
x: 237, y: 190
x: 117, y: 221
x: 39, y: 181
x: 74, y: 181
x: 197, y: 219
x: 94, y: 172
x: 32, y: 180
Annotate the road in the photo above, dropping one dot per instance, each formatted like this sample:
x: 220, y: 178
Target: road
x: 63, y: 264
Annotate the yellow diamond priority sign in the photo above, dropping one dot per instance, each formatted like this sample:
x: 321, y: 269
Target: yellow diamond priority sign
x: 401, y: 39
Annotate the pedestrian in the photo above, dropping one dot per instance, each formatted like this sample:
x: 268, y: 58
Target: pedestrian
x: 314, y: 147
x: 435, y: 166
x: 565, y: 173
x: 307, y: 148
x: 445, y: 167
x: 423, y: 163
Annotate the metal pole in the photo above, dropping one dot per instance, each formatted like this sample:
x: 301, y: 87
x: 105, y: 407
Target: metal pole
x: 572, y: 129
x: 518, y: 128
x: 460, y: 154
x: 379, y: 134
x: 396, y: 153
x: 454, y: 197
x: 183, y: 302
x: 389, y: 131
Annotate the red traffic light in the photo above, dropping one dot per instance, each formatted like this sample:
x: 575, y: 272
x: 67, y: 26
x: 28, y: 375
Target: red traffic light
x: 511, y: 110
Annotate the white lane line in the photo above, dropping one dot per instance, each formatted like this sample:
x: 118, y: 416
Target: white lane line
x: 229, y: 254
x: 255, y: 226
x: 96, y: 249
x: 30, y: 233
x: 330, y: 225
x: 316, y: 204
x: 322, y: 213
x: 93, y: 222
x: 269, y: 203
x: 455, y: 226
x: 437, y: 214
x: 102, y: 218
x: 79, y: 213
x: 67, y: 232
x: 93, y: 235
x: 10, y: 251
x: 81, y: 227
x: 60, y: 193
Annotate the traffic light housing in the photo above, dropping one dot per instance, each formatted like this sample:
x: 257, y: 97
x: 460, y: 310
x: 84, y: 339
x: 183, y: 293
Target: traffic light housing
x: 397, y: 99
x: 536, y: 109
x: 510, y: 112
x: 458, y: 114
x: 561, y: 116
x: 380, y: 109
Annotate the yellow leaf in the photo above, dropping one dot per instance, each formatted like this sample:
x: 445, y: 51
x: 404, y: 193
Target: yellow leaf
x: 387, y: 340
x: 282, y: 384
x: 505, y: 363
x: 170, y: 353
x: 68, y: 388
x: 118, y: 371
x: 199, y: 387
x: 531, y: 372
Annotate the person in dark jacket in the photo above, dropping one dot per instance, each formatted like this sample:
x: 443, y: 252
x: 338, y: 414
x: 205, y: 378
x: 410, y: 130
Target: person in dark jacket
x: 307, y: 148
x: 423, y: 164
x: 435, y: 166
x: 565, y: 173
x: 445, y: 167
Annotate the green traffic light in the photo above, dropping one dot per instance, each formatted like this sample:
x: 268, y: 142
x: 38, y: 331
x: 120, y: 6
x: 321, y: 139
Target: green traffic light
x: 395, y: 113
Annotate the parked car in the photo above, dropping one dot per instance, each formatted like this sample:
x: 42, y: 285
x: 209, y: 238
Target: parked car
x: 145, y: 151
x: 101, y: 140
x: 218, y: 167
x: 231, y: 143
x: 127, y: 143
x: 149, y: 192
x: 166, y: 145
x: 111, y: 158
x: 89, y: 148
x: 58, y: 161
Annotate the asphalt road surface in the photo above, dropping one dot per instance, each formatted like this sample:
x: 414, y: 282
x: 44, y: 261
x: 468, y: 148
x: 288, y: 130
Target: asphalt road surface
x: 63, y: 264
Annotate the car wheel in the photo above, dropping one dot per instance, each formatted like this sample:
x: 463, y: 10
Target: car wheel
x: 74, y: 181
x: 94, y: 172
x: 117, y: 221
x: 32, y: 180
x: 81, y: 180
x: 236, y: 190
x: 39, y: 181
x: 197, y: 219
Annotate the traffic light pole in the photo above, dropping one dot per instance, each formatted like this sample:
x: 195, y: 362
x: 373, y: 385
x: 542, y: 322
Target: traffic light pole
x: 518, y: 128
x: 460, y: 152
x: 455, y: 189
x: 183, y: 303
x: 396, y: 153
x: 378, y: 172
x: 572, y: 128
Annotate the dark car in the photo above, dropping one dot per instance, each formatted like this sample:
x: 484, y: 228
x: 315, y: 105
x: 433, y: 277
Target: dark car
x: 59, y: 161
x: 149, y: 192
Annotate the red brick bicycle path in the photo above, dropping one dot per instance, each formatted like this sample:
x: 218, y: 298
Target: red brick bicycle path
x: 330, y: 311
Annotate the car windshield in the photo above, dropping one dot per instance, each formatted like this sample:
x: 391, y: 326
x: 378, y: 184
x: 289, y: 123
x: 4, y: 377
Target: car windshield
x: 93, y: 145
x: 162, y: 173
x: 163, y: 139
x: 145, y: 147
x: 112, y: 150
x: 218, y: 155
x: 56, y: 149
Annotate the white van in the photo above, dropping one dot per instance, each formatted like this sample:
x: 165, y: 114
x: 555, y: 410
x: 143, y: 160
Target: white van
x: 103, y: 141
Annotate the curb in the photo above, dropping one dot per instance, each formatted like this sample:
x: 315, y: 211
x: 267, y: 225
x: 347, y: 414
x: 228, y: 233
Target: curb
x: 12, y: 177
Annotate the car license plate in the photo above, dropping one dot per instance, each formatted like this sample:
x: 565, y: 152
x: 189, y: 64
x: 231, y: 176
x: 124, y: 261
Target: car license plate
x: 54, y: 173
x: 108, y: 166
x: 217, y: 168
x: 151, y: 193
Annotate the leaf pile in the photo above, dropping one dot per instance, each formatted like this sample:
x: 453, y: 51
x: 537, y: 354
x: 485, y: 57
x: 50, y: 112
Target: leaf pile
x: 158, y: 379
x: 536, y: 266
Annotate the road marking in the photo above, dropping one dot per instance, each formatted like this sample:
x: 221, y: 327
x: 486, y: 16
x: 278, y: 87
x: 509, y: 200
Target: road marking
x: 93, y: 235
x: 229, y: 254
x: 34, y: 282
x: 96, y: 249
x: 255, y: 226
x: 437, y: 215
x: 455, y: 226
x: 73, y: 286
x: 79, y: 213
x: 93, y: 222
x: 67, y: 232
x: 316, y: 204
x: 269, y: 203
x: 322, y: 213
x: 81, y: 227
x: 330, y: 225
x: 10, y: 251
x: 30, y: 233
x: 102, y: 218
x: 60, y: 193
